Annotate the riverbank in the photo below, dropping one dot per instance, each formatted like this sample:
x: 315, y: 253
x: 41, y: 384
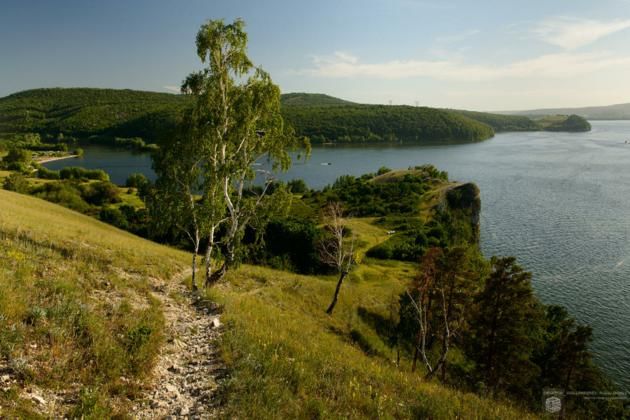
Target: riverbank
x: 47, y: 159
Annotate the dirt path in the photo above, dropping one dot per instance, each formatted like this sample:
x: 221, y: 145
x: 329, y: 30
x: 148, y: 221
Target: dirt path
x: 189, y: 367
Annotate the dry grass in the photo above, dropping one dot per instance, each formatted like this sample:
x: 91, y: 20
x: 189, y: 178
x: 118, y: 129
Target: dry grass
x: 76, y: 311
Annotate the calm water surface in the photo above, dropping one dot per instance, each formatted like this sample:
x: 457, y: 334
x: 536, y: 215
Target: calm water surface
x: 560, y: 202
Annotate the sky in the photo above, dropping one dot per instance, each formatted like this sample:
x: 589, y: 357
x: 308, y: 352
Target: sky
x: 479, y: 55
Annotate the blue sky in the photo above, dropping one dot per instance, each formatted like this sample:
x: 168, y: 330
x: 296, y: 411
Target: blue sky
x: 484, y: 55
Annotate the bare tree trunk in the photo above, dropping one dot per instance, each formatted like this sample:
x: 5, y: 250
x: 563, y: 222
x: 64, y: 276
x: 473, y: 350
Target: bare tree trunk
x: 194, y: 269
x: 416, y: 353
x: 330, y: 309
x: 208, y: 260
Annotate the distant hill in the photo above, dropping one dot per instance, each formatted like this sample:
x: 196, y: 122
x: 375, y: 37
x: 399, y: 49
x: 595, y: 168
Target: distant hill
x: 88, y: 112
x: 312, y: 99
x: 501, y: 123
x: 85, y: 112
x: 610, y: 112
x: 380, y: 123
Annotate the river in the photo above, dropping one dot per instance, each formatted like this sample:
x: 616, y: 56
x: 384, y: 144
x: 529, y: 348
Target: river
x: 560, y: 202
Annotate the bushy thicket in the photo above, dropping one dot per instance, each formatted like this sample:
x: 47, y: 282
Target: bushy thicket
x: 77, y: 196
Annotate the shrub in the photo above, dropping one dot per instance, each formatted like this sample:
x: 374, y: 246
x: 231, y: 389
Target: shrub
x: 63, y: 193
x: 75, y: 172
x: 45, y: 173
x: 17, y: 183
x: 113, y: 216
x: 100, y: 193
x: 136, y: 180
x: 297, y: 186
x: 17, y: 155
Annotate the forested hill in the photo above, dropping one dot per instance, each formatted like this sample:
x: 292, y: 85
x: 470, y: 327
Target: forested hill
x: 312, y: 99
x: 82, y: 112
x: 380, y: 123
x: 609, y: 112
x: 87, y: 112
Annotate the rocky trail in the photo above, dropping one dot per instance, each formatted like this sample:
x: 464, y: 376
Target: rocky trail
x: 189, y: 369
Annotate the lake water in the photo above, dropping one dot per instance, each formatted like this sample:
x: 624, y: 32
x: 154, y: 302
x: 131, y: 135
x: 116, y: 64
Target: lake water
x: 560, y: 202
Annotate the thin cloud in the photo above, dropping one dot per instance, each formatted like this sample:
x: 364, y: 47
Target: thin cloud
x: 562, y: 65
x: 573, y: 33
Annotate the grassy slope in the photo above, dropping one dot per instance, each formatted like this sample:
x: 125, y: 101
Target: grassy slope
x: 75, y: 305
x: 79, y: 291
x: 288, y: 359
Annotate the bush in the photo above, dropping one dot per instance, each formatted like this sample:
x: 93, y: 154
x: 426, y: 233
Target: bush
x: 114, y: 216
x: 75, y: 172
x: 63, y: 193
x: 45, y: 173
x: 136, y: 180
x: 17, y: 183
x: 17, y: 155
x: 297, y: 186
x: 100, y: 193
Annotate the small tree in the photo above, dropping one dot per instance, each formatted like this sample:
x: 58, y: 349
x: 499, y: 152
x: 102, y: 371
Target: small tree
x: 335, y: 250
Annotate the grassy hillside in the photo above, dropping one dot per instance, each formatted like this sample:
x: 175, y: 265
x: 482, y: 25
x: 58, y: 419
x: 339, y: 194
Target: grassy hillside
x: 77, y: 318
x: 288, y: 359
x: 78, y: 323
x: 609, y: 112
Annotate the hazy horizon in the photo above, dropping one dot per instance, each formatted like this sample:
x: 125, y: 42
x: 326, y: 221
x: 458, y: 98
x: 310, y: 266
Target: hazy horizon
x: 493, y: 56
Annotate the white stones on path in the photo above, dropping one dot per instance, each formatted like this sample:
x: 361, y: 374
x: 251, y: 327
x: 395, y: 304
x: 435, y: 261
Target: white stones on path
x: 189, y: 367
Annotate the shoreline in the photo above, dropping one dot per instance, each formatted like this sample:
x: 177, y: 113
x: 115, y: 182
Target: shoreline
x: 54, y: 158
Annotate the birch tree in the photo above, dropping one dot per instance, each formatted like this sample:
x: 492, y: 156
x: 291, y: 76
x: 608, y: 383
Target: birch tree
x: 235, y: 120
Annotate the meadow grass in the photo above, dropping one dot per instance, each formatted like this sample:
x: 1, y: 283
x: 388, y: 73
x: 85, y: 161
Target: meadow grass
x: 76, y: 312
x: 288, y: 359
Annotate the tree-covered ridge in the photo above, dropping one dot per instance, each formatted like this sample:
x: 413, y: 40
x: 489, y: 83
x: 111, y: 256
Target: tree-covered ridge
x: 312, y: 99
x: 86, y: 112
x: 502, y: 123
x: 83, y: 112
x: 380, y: 123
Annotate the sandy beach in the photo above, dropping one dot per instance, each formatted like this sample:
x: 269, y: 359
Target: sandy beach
x: 54, y: 158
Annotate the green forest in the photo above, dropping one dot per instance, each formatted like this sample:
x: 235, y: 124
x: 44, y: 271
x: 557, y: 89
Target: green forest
x: 102, y: 115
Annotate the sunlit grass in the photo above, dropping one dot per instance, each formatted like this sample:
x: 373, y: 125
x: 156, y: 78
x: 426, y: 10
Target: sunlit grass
x: 76, y: 311
x: 288, y: 359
